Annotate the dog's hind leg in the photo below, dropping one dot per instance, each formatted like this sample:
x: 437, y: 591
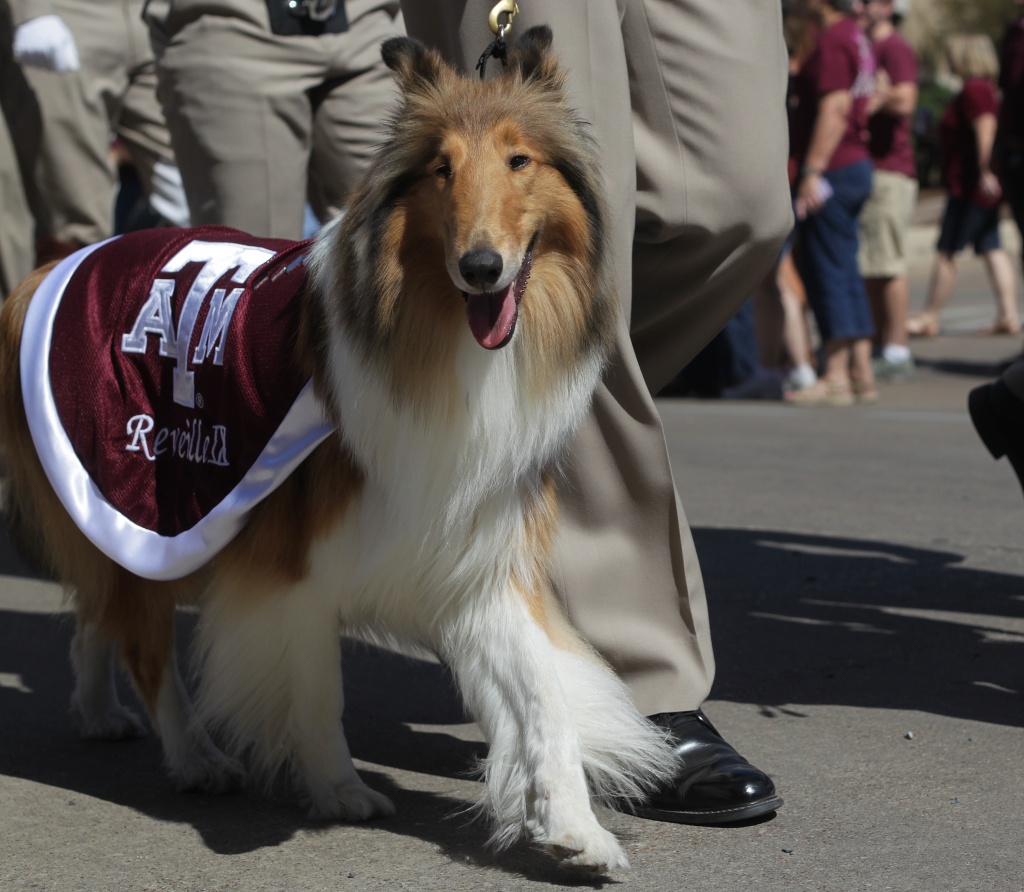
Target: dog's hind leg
x: 139, y: 615
x: 535, y: 782
x: 322, y: 762
x: 271, y: 681
x: 95, y: 702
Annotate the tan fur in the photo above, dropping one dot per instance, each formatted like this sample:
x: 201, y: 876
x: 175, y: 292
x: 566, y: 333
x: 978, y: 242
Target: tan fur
x: 274, y: 545
x: 424, y: 329
x: 534, y: 586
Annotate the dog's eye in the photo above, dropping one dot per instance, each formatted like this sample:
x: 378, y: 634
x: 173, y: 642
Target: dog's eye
x: 443, y: 172
x: 518, y: 162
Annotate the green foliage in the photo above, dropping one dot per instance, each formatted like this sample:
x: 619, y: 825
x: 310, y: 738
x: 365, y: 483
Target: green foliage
x: 959, y: 17
x: 933, y: 99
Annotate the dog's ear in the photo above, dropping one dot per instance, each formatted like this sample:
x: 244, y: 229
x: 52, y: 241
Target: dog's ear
x: 412, y: 62
x: 531, y: 56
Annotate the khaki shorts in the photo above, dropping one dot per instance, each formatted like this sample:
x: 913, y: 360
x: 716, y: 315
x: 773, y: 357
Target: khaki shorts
x: 884, y: 222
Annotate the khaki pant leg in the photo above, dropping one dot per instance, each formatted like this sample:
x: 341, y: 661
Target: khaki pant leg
x: 709, y: 91
x: 138, y: 119
x: 19, y: 115
x: 240, y: 122
x: 349, y: 124
x: 74, y: 171
x: 239, y: 103
x: 17, y: 244
x: 708, y: 81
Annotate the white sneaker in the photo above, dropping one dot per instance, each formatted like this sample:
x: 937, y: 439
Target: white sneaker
x: 800, y: 378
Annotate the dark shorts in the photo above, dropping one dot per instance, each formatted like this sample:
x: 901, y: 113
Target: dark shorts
x: 965, y: 223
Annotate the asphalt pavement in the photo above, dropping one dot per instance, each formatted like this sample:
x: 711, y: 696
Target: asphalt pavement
x: 865, y: 573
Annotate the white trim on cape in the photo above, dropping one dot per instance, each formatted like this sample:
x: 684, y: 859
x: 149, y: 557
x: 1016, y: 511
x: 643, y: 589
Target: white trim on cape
x: 139, y: 550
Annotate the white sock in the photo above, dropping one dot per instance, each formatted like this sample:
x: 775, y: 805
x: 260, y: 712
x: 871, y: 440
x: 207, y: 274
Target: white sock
x: 895, y: 353
x: 802, y: 376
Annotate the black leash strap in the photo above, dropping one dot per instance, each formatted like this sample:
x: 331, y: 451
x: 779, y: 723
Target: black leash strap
x: 497, y: 48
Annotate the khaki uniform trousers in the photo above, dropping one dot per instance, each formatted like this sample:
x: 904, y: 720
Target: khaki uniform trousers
x: 20, y: 129
x: 700, y: 206
x: 262, y: 122
x: 113, y: 91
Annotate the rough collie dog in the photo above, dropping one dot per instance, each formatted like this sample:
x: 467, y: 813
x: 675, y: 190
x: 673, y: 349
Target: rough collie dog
x: 452, y: 326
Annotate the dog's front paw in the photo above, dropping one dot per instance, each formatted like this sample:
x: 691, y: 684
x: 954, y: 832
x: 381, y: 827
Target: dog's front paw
x: 591, y: 849
x: 113, y: 722
x: 350, y: 802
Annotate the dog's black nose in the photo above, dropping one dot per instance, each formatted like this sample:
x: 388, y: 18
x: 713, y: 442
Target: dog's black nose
x: 480, y: 268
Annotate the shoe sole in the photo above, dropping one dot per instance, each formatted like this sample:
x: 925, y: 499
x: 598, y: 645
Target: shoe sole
x: 710, y: 818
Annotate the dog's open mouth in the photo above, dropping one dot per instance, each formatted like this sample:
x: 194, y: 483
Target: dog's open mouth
x: 493, y: 315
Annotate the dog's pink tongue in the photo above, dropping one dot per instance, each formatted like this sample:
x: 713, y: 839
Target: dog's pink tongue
x: 491, y: 316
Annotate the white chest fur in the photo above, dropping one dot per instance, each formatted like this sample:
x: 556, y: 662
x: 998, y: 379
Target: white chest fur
x: 442, y: 513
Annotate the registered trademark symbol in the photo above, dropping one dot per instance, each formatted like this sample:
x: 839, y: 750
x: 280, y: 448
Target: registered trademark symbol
x: 199, y: 400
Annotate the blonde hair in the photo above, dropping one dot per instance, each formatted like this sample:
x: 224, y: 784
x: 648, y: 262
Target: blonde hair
x: 972, y: 55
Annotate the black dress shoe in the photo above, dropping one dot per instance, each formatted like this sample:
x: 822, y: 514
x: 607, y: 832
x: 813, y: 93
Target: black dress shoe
x: 714, y: 783
x: 998, y: 417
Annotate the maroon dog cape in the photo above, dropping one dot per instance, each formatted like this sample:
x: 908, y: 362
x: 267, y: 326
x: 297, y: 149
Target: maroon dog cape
x: 162, y: 390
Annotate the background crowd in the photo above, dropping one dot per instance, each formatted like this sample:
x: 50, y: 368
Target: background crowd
x: 119, y: 115
x: 834, y: 316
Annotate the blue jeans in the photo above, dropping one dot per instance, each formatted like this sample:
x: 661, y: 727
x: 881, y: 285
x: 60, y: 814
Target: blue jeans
x: 827, y: 257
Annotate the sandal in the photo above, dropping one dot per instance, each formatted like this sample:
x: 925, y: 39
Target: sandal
x: 865, y: 394
x: 1002, y: 326
x: 822, y: 393
x: 923, y: 325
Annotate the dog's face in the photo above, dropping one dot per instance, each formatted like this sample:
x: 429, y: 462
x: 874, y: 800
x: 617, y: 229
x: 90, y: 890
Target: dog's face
x: 488, y: 193
x: 478, y: 225
x: 498, y: 170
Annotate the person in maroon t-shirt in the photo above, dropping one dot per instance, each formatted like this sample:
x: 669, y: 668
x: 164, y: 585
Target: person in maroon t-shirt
x: 888, y: 211
x: 828, y: 104
x: 973, y: 192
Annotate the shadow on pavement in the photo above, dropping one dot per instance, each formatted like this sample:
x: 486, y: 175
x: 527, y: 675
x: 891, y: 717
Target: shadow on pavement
x: 985, y: 371
x: 797, y: 619
x: 385, y: 693
x: 819, y: 620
